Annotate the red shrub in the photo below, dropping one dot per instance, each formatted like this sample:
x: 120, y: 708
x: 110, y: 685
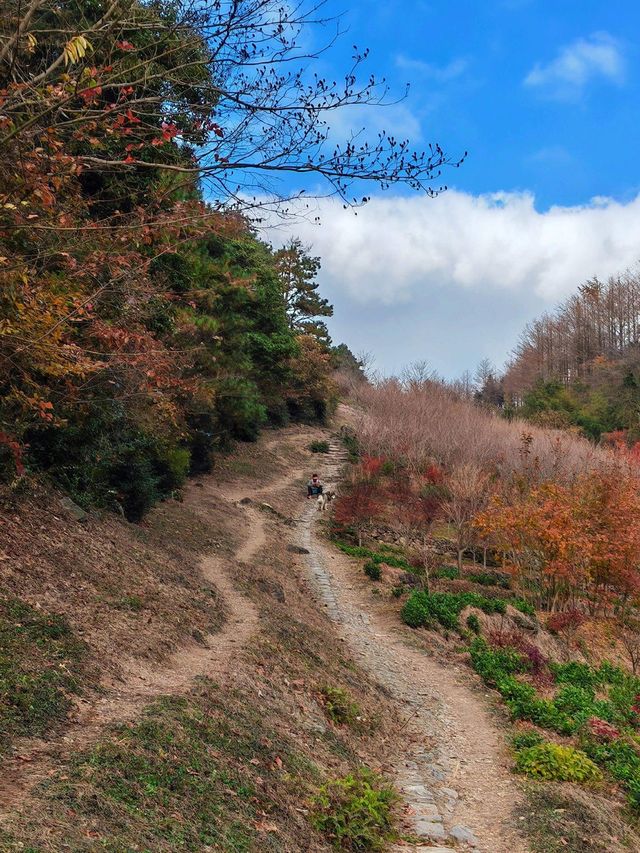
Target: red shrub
x: 567, y: 620
x: 434, y: 474
x: 602, y: 730
x: 517, y: 640
x: 372, y: 465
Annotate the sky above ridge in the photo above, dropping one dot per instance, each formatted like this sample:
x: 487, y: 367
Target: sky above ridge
x: 544, y: 96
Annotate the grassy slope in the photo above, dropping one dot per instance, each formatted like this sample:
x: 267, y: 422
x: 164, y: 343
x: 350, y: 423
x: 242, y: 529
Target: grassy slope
x: 221, y: 768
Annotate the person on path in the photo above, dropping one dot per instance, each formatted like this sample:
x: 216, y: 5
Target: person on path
x: 314, y: 487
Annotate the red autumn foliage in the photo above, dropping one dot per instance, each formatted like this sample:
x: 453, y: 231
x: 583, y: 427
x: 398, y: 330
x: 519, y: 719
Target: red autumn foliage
x: 358, y: 505
x: 434, y: 474
x: 602, y: 730
x: 570, y: 540
x: 372, y: 465
x: 15, y: 452
x: 568, y: 620
x: 516, y: 640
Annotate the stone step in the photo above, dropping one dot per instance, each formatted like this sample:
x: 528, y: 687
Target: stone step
x: 422, y: 849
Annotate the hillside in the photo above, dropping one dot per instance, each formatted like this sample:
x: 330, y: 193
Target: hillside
x: 208, y: 670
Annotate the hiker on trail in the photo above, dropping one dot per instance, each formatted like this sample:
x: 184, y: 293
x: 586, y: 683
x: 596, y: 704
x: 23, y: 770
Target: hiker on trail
x: 314, y: 486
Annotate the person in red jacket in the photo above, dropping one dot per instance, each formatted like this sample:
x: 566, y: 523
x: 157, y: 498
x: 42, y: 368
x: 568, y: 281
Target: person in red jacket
x: 314, y: 487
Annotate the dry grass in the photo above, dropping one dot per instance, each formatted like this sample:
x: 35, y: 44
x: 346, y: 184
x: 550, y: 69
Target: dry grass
x: 427, y: 422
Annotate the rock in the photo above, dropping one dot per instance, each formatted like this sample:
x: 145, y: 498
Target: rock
x: 463, y: 834
x: 430, y: 849
x: 73, y: 509
x: 429, y: 828
x: 245, y: 501
x: 296, y: 549
x: 419, y: 792
x: 409, y: 579
x: 271, y: 588
x: 524, y: 622
x: 426, y: 809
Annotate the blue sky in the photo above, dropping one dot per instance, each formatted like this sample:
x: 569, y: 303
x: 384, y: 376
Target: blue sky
x: 544, y: 96
x: 469, y: 64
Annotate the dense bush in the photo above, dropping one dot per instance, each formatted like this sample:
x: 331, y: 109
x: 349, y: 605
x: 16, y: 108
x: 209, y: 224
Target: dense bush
x: 373, y: 570
x: 424, y: 609
x: 473, y: 623
x: 552, y: 762
x: 523, y: 606
x: 319, y: 447
x: 449, y: 572
x: 489, y: 579
x: 355, y: 812
x: 493, y: 665
x: 515, y: 639
x: 621, y: 759
x: 526, y: 739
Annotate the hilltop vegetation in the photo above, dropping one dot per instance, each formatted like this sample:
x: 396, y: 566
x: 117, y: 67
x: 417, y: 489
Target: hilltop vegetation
x: 577, y: 368
x: 143, y: 324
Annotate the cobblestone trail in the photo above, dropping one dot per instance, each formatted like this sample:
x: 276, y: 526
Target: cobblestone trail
x: 458, y: 792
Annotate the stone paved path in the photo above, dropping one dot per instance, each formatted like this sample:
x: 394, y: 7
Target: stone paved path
x: 458, y: 792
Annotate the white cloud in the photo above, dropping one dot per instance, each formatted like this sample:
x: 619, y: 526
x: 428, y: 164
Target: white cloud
x: 456, y: 278
x: 441, y: 74
x: 397, y: 246
x: 566, y: 76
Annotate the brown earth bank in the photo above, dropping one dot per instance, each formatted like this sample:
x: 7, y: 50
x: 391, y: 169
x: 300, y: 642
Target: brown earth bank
x: 207, y: 642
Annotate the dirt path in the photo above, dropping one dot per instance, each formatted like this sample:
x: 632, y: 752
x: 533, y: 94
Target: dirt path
x: 453, y: 775
x: 450, y: 769
x: 213, y: 657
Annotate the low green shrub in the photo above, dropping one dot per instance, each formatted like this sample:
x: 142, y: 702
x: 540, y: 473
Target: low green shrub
x: 350, y: 441
x: 382, y: 556
x: 319, y: 447
x: 373, y: 570
x: 525, y: 740
x: 424, y: 609
x: 552, y: 762
x: 473, y: 623
x: 340, y: 707
x: 620, y: 759
x: 493, y: 665
x: 449, y: 572
x: 355, y: 812
x: 576, y: 673
x: 489, y: 579
x: 523, y: 606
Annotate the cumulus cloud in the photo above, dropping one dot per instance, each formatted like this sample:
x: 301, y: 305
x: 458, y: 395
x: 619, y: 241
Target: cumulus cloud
x: 396, y: 246
x: 567, y: 76
x: 454, y: 279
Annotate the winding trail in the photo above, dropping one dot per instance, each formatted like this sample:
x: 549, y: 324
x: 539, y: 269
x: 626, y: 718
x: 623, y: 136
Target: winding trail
x: 453, y: 775
x: 450, y: 768
x: 123, y: 700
